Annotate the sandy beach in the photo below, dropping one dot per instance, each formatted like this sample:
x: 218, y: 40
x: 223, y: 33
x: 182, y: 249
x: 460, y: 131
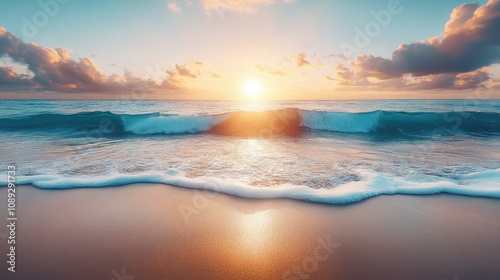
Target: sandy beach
x: 250, y: 139
x: 151, y: 231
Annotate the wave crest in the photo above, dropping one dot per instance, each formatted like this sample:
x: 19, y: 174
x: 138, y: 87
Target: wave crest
x: 289, y: 122
x: 388, y: 122
x: 169, y: 124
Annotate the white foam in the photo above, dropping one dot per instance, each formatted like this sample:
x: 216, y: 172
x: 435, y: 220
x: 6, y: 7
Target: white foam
x: 479, y: 184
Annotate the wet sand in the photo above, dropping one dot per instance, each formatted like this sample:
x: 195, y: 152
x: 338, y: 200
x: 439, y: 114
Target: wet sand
x: 153, y: 231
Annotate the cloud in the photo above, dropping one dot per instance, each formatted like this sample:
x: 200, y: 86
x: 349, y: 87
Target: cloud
x: 448, y: 81
x: 190, y: 69
x: 343, y: 73
x: 270, y: 71
x: 9, y: 77
x: 53, y: 69
x: 300, y: 60
x: 173, y: 7
x: 177, y: 75
x: 470, y: 41
x: 242, y: 6
x: 336, y: 56
x: 289, y: 65
x: 459, y: 16
x: 457, y: 59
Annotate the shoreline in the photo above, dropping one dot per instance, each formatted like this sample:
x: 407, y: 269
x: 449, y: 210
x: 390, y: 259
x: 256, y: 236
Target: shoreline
x: 154, y: 231
x: 372, y: 185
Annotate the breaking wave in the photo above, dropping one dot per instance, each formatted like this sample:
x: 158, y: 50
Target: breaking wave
x: 284, y: 121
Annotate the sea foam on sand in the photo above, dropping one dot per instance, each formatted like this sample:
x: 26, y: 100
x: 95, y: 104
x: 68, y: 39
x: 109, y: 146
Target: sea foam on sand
x: 479, y: 184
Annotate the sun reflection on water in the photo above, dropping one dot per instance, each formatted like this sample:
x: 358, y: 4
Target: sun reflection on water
x: 255, y: 105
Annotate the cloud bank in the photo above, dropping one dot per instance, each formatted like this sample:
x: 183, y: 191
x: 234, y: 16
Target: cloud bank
x: 55, y: 70
x: 457, y: 59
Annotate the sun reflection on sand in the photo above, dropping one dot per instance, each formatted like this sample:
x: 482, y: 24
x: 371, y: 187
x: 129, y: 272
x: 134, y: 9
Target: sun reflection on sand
x: 256, y: 229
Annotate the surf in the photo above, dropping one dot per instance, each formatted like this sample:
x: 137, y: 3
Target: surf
x: 372, y: 184
x: 287, y: 122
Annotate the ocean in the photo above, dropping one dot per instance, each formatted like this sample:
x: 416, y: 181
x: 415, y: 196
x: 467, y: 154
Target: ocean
x: 334, y: 152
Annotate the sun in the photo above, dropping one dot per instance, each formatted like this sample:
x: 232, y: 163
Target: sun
x: 252, y: 87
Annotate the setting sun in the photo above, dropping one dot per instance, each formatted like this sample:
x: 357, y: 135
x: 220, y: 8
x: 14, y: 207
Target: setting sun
x: 253, y: 87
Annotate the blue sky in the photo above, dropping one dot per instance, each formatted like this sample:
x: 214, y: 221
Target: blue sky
x: 144, y: 35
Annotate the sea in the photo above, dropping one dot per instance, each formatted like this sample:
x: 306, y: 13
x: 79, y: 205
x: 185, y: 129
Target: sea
x: 340, y: 152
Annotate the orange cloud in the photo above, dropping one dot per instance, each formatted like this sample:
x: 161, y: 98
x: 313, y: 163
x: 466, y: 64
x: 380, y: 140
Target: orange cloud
x: 470, y: 41
x: 177, y: 76
x: 458, y: 59
x: 55, y: 70
x: 300, y: 60
x: 449, y: 81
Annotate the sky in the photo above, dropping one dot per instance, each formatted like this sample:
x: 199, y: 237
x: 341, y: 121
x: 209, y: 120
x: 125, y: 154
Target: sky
x: 250, y: 49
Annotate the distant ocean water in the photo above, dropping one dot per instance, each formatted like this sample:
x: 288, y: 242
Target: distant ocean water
x: 339, y: 151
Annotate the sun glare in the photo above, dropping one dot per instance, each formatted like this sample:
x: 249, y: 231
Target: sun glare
x: 253, y: 87
x: 256, y: 231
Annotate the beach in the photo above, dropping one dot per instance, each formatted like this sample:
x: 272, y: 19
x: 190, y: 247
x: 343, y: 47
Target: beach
x: 249, y: 139
x: 154, y: 231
